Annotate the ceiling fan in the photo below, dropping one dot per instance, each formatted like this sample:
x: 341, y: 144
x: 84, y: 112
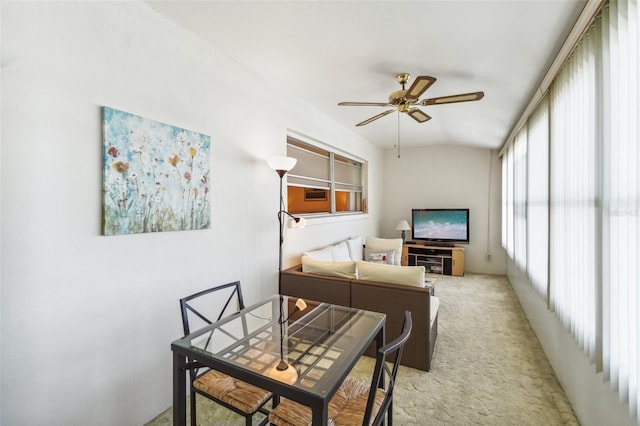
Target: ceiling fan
x: 407, y: 100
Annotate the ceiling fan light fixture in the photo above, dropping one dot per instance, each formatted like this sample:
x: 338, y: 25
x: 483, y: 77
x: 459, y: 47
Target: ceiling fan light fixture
x: 397, y: 97
x: 404, y: 107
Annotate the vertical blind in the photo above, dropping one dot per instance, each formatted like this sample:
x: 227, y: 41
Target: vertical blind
x: 538, y: 197
x: 507, y: 202
x: 520, y: 198
x: 620, y: 194
x: 578, y: 153
x: 572, y: 261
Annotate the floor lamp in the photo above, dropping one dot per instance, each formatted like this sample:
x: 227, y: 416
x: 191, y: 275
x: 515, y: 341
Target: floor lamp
x: 283, y: 371
x: 282, y: 165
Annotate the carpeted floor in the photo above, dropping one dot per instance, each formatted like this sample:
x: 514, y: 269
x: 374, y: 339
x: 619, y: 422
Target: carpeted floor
x: 488, y: 367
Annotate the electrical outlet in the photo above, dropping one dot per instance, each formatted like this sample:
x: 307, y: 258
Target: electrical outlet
x: 488, y: 257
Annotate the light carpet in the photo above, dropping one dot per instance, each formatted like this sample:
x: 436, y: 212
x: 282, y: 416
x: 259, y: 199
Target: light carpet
x: 488, y: 367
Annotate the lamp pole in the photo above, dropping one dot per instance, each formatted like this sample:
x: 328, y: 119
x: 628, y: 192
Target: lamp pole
x: 281, y: 173
x: 281, y: 165
x: 282, y: 371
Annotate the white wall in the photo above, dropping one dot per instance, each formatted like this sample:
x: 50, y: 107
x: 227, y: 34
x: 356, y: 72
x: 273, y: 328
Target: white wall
x: 87, y: 320
x: 448, y: 177
x: 592, y: 399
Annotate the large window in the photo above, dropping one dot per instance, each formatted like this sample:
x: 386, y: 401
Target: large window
x: 323, y: 180
x: 581, y: 164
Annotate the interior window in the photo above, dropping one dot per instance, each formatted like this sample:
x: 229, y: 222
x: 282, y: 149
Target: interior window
x: 323, y: 181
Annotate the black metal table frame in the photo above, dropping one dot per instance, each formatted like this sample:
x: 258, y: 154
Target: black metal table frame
x: 319, y: 407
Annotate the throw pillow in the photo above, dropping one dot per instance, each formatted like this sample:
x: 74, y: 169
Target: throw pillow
x: 386, y: 244
x: 406, y: 275
x: 340, y: 252
x: 379, y: 256
x: 355, y: 248
x: 323, y: 254
x: 332, y: 269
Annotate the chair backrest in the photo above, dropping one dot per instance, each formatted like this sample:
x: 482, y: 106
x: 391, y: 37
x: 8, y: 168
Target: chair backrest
x: 198, y: 309
x: 389, y: 353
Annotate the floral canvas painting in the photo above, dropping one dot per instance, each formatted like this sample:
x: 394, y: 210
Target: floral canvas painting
x: 155, y: 176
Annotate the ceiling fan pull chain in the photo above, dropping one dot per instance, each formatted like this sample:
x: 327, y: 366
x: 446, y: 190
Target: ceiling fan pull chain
x: 398, y: 133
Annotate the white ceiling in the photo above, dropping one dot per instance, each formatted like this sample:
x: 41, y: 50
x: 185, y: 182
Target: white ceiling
x: 325, y: 52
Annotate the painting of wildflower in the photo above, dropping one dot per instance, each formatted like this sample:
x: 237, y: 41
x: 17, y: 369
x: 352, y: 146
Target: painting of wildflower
x: 155, y: 176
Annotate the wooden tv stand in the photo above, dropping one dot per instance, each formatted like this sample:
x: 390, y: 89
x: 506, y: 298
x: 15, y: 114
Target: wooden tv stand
x: 436, y: 259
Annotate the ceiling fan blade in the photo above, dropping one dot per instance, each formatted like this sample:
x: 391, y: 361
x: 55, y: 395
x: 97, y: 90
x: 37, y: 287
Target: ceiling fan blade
x: 418, y: 115
x: 463, y: 97
x: 375, y: 117
x: 419, y: 86
x: 364, y: 104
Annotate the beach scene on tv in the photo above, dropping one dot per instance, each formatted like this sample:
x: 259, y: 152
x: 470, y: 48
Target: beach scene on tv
x: 445, y: 225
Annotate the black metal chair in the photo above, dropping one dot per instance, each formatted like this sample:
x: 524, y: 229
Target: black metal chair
x: 236, y: 395
x: 355, y: 403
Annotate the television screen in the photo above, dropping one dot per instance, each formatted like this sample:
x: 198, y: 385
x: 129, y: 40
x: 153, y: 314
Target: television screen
x: 440, y: 225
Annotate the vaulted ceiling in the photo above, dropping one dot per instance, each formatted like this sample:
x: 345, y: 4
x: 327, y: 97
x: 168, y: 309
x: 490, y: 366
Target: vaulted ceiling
x: 325, y: 52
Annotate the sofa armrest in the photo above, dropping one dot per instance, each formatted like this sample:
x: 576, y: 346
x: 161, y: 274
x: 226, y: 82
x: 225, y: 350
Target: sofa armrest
x: 334, y: 290
x: 393, y: 300
x: 433, y: 309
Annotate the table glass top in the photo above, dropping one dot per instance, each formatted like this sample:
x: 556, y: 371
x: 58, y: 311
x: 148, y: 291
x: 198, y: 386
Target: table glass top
x: 320, y: 343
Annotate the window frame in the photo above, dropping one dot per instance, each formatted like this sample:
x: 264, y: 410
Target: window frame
x: 333, y: 154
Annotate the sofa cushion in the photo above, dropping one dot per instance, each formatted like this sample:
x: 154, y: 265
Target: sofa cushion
x: 406, y: 275
x: 355, y: 248
x: 332, y: 269
x: 386, y: 244
x: 379, y: 256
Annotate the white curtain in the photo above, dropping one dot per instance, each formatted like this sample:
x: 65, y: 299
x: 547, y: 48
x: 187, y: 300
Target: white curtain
x: 584, y: 139
x: 538, y: 197
x: 620, y: 195
x: 573, y: 235
x: 507, y: 202
x: 505, y: 195
x: 520, y: 198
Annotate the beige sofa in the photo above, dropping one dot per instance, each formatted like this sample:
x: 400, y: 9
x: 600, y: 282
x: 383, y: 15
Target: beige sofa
x: 390, y: 289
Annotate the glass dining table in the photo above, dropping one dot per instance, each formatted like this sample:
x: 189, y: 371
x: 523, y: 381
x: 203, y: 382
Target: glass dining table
x: 319, y: 346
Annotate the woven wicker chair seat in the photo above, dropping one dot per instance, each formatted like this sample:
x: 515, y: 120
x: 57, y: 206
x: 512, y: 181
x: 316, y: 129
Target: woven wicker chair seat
x: 347, y: 407
x: 238, y: 394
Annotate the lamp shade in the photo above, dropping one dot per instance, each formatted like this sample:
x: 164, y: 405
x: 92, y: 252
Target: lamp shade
x: 301, y: 304
x: 281, y: 163
x: 403, y: 225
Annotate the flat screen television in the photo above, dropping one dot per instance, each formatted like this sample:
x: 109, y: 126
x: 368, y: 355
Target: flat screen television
x: 440, y: 226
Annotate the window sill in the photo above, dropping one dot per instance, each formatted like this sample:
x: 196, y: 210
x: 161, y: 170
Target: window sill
x: 322, y: 219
